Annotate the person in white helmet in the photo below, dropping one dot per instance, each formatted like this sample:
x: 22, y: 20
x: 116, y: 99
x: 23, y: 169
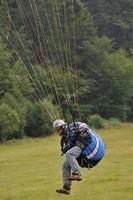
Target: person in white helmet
x: 73, y: 149
x: 85, y: 149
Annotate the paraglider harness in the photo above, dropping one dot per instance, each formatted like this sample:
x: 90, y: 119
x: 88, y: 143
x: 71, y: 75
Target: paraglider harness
x: 67, y: 144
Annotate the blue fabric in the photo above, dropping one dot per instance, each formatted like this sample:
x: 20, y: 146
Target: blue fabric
x: 71, y: 130
x: 90, y: 148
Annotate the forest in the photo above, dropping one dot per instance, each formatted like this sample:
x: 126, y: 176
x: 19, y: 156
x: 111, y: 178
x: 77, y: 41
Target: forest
x: 92, y: 40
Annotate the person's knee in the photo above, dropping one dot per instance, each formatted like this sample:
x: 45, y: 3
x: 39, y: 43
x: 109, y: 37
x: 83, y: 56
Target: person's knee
x: 75, y: 151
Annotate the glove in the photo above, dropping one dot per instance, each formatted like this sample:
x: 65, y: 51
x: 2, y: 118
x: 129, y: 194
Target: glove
x: 68, y: 146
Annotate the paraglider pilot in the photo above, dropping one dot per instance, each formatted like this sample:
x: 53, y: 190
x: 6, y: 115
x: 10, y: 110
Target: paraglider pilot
x: 82, y: 146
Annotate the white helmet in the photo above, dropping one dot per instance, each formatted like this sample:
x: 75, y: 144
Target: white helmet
x: 58, y: 123
x: 83, y: 126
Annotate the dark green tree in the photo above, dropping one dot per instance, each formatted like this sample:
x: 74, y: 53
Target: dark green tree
x: 9, y: 122
x: 113, y: 18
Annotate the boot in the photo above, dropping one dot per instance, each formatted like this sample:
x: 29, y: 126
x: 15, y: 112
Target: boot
x: 75, y: 177
x: 64, y: 190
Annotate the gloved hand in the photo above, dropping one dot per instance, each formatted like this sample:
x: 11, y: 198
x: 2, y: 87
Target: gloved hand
x: 67, y: 146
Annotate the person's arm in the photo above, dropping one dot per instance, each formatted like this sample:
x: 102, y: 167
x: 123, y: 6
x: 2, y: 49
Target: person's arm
x: 66, y: 145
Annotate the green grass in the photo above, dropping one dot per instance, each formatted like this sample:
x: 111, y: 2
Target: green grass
x: 30, y: 169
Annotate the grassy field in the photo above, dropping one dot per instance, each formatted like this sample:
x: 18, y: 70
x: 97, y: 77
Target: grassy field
x: 30, y: 169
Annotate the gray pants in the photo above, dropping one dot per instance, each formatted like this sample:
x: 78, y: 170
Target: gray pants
x: 71, y: 164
